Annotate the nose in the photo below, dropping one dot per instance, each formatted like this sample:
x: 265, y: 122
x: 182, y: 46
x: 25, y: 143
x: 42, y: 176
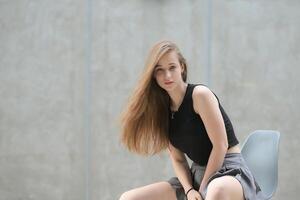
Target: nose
x: 168, y: 74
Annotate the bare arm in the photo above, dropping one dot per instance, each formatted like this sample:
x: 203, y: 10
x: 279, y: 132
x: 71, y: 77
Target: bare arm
x: 206, y: 105
x: 181, y: 167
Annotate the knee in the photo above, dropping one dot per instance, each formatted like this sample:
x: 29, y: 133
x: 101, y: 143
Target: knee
x: 216, y: 191
x: 128, y: 195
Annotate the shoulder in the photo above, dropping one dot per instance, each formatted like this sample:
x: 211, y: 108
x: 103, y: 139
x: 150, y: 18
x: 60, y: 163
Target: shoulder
x: 202, y: 92
x: 202, y: 97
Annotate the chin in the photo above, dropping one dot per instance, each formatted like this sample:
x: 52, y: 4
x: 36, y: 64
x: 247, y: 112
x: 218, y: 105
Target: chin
x: 169, y: 88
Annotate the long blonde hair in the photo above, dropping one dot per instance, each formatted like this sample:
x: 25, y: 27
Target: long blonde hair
x: 145, y: 121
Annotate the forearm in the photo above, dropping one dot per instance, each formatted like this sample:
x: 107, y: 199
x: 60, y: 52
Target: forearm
x: 215, y: 162
x: 182, y: 171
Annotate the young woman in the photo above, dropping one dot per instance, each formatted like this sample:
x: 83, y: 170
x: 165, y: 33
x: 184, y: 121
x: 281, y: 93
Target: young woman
x: 166, y: 112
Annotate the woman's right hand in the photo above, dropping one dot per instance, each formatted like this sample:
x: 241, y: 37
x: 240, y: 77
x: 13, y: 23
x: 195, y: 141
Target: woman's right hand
x: 194, y: 195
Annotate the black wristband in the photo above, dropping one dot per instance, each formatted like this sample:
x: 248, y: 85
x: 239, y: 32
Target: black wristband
x: 188, y: 191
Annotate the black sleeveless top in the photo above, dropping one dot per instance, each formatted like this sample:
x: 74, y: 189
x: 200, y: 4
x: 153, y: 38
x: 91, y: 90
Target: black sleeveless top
x: 187, y: 131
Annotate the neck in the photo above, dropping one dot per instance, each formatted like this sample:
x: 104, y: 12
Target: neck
x: 177, y: 95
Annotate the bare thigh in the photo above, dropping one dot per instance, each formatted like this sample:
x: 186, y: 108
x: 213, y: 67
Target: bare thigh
x: 225, y: 187
x: 158, y: 191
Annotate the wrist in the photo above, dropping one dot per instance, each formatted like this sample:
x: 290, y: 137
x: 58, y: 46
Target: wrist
x: 203, y: 183
x: 202, y: 186
x: 202, y: 189
x: 188, y: 191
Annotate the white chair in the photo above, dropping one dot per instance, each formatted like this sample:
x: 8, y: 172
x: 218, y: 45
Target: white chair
x: 260, y: 151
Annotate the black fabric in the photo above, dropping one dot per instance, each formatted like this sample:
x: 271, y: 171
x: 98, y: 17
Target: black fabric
x: 187, y: 131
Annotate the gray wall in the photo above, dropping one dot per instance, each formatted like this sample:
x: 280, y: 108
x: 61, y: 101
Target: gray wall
x: 66, y: 70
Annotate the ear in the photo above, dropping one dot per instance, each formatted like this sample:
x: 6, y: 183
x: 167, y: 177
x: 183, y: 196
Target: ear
x: 182, y: 68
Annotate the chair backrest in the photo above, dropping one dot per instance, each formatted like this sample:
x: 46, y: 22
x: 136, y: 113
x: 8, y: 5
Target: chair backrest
x: 260, y: 151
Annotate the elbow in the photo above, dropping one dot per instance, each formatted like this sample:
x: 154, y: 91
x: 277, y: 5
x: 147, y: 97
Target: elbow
x: 179, y: 160
x: 221, y: 147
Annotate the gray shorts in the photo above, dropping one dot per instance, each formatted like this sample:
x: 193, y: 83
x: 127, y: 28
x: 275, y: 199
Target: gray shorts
x: 233, y: 165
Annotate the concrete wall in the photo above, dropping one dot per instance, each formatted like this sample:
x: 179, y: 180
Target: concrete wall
x: 42, y: 94
x: 66, y: 71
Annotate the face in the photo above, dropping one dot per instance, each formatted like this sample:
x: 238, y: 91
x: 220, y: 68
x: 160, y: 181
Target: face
x: 168, y: 71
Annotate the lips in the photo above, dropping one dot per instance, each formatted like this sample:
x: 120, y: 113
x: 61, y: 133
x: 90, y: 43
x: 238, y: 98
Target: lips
x: 168, y: 83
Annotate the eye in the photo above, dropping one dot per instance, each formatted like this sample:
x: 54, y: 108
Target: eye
x: 173, y: 67
x: 158, y: 71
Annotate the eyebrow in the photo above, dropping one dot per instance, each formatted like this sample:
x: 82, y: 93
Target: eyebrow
x: 168, y: 64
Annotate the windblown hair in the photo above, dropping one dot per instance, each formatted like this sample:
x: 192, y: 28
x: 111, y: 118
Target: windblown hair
x: 145, y: 121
